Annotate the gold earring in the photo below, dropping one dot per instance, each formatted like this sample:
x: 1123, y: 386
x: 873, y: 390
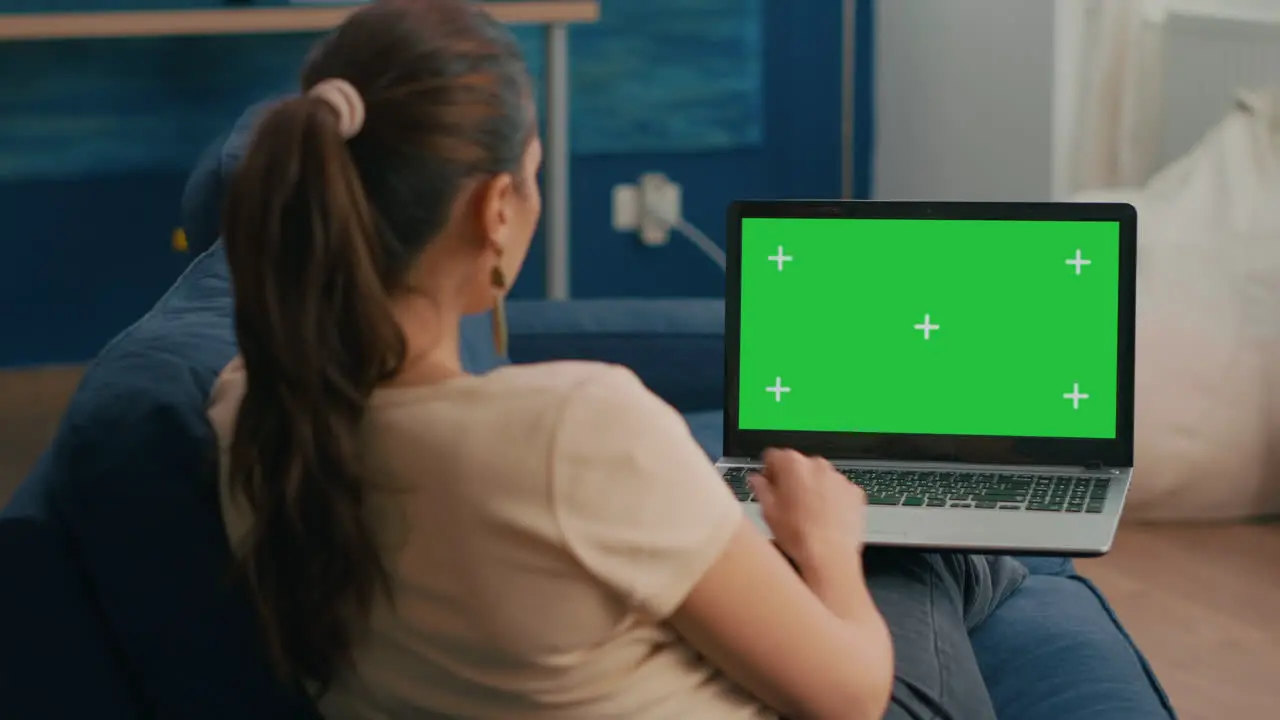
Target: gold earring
x: 498, y: 279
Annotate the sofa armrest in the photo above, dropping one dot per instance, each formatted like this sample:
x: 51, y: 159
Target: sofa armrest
x: 202, y: 199
x: 57, y: 658
x: 204, y: 193
x: 676, y: 346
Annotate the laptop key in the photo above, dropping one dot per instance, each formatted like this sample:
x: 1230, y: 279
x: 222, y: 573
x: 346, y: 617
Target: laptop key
x: 885, y: 500
x: 1004, y: 497
x: 985, y: 505
x: 913, y: 501
x: 936, y: 502
x: 1095, y: 506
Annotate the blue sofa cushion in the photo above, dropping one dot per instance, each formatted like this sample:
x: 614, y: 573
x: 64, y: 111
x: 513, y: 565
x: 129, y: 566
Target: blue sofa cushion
x: 707, y: 427
x: 236, y: 143
x: 479, y: 354
x: 51, y: 630
x: 676, y: 346
x: 202, y: 200
x: 203, y: 195
x: 139, y: 497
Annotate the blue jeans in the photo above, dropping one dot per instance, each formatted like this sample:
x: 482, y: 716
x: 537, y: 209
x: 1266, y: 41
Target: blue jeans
x: 931, y: 602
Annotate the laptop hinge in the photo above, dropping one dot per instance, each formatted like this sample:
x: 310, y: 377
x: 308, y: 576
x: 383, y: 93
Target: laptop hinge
x: 1094, y: 465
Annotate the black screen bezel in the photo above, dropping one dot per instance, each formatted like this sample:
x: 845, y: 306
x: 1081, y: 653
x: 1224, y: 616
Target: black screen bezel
x: 1117, y: 452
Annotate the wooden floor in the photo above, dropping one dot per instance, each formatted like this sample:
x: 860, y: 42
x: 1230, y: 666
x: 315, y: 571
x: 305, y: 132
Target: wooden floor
x: 1202, y: 602
x: 31, y: 403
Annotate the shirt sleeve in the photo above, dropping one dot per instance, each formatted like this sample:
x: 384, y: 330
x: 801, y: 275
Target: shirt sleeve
x: 636, y: 499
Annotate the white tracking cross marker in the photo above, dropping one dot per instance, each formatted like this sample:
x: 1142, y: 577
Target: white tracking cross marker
x: 1075, y: 396
x: 1079, y: 261
x: 780, y: 258
x: 927, y: 327
x: 777, y: 389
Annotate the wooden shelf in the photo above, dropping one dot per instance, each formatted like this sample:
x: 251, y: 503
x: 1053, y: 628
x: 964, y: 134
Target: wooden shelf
x: 252, y: 21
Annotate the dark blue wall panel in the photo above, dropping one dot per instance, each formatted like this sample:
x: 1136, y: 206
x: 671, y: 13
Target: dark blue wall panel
x: 82, y: 256
x: 652, y: 76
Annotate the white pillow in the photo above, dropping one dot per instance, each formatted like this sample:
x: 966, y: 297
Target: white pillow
x: 1208, y: 335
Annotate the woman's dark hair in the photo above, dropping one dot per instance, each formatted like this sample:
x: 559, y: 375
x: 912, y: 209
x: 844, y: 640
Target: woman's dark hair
x: 320, y: 232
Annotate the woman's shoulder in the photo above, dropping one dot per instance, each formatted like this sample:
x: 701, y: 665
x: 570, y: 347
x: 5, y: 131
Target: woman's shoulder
x: 566, y: 376
x: 585, y: 386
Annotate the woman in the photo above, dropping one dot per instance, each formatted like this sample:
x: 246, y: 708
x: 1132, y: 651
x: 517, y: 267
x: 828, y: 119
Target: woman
x: 545, y: 541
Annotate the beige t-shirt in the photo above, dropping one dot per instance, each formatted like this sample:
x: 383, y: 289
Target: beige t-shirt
x: 539, y: 523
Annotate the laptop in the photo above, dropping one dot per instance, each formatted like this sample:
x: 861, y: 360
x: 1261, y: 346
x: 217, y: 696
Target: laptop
x: 969, y: 365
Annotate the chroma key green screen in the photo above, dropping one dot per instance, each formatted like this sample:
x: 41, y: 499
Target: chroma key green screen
x: 944, y: 327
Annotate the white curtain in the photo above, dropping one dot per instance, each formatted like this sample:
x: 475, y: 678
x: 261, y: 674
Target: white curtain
x: 1114, y: 133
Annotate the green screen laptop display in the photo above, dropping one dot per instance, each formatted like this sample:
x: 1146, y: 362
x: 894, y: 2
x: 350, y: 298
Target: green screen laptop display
x: 939, y: 327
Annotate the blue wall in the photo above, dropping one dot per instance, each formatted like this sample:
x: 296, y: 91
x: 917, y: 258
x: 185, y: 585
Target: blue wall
x: 82, y: 256
x: 663, y: 75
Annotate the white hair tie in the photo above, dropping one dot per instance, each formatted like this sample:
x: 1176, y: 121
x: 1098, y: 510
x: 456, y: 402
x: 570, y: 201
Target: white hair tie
x: 345, y: 100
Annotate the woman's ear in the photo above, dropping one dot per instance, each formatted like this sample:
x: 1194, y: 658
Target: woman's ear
x: 494, y: 197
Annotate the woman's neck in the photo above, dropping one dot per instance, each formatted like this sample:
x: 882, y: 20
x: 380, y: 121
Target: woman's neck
x: 432, y: 341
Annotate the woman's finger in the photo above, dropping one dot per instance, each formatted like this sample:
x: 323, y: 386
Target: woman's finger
x: 761, y: 487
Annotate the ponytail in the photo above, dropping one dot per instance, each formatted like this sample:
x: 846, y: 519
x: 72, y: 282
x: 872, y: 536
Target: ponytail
x: 317, y: 335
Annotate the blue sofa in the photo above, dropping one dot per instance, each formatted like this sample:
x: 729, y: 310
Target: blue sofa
x: 115, y: 601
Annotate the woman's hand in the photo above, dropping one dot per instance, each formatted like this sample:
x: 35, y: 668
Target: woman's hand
x: 812, y: 508
x: 791, y: 640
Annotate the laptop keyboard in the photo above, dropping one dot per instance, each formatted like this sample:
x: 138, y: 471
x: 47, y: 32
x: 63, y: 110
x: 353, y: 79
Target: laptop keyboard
x: 978, y: 490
